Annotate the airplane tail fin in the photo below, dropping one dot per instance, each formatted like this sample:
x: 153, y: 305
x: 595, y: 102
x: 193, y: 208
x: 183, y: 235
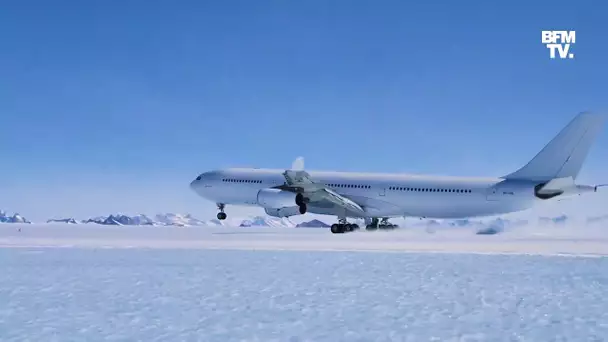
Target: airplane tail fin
x: 564, y: 155
x: 298, y: 164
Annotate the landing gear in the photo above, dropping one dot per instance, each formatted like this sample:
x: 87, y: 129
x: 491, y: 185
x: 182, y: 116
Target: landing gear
x: 343, y: 227
x: 301, y: 202
x: 221, y: 215
x: 380, y: 224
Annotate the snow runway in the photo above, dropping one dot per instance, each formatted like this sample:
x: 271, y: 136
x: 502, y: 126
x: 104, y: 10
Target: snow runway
x: 538, y: 241
x: 227, y: 284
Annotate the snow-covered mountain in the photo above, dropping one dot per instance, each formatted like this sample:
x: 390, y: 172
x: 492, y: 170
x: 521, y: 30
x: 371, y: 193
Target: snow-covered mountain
x: 168, y: 219
x: 268, y: 221
x: 122, y: 220
x: 313, y: 224
x: 16, y: 218
x: 65, y: 220
x: 178, y: 220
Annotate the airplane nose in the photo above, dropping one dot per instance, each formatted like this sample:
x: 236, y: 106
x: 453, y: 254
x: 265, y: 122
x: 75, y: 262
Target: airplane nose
x: 197, y: 183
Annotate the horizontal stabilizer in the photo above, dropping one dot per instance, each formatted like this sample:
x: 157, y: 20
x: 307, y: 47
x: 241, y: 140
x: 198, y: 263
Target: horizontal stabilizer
x: 563, y: 156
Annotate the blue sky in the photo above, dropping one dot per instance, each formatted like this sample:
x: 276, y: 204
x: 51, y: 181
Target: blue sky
x: 115, y: 106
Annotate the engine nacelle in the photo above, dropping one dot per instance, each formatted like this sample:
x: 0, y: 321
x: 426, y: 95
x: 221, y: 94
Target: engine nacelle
x: 275, y: 198
x: 283, y: 212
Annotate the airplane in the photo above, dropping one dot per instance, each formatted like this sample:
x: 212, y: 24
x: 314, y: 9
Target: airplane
x: 377, y: 197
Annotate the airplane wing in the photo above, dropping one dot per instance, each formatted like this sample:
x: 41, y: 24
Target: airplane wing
x: 301, y: 181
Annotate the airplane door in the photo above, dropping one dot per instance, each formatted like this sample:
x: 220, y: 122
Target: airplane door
x: 382, y: 192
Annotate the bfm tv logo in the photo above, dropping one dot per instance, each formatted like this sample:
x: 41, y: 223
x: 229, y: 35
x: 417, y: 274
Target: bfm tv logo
x: 565, y: 38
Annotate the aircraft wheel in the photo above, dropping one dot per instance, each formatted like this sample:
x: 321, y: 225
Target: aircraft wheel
x: 221, y: 216
x: 337, y: 229
x: 371, y: 227
x: 300, y: 199
x: 303, y: 208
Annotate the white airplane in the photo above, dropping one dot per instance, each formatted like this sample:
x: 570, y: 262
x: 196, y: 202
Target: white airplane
x: 376, y: 197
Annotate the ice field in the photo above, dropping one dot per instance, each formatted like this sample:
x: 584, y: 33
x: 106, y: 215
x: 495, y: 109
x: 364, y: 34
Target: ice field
x: 94, y: 283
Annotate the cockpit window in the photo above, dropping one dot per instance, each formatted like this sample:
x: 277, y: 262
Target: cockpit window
x: 198, y: 178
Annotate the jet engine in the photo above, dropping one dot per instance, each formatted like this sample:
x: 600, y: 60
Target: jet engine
x: 275, y: 198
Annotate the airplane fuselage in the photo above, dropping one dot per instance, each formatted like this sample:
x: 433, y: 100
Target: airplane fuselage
x: 381, y: 195
x: 551, y: 174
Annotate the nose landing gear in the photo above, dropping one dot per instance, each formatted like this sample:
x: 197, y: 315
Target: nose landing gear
x: 221, y: 215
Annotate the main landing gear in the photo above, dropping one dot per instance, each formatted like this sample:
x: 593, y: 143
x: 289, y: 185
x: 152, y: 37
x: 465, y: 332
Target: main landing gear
x: 343, y: 227
x: 382, y: 224
x: 221, y: 215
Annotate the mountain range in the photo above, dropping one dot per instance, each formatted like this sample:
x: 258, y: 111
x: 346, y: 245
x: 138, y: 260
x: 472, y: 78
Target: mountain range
x: 15, y: 218
x: 491, y: 226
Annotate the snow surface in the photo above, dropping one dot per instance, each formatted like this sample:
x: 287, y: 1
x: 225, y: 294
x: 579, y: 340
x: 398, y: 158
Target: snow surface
x: 234, y: 284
